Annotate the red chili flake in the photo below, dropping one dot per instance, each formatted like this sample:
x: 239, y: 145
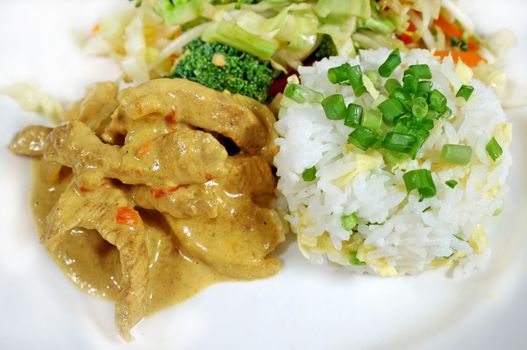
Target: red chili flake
x: 208, y: 177
x: 157, y: 192
x: 171, y: 119
x: 138, y: 108
x: 127, y: 216
x: 83, y: 189
x: 144, y: 150
x: 178, y: 187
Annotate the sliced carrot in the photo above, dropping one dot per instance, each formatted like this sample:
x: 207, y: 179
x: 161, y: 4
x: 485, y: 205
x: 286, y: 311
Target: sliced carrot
x: 450, y: 29
x: 127, y: 216
x: 470, y: 58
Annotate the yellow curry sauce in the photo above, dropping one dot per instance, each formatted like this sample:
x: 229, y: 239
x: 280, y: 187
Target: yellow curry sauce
x: 139, y: 199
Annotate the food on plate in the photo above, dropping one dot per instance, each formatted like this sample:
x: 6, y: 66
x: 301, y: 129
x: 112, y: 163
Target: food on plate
x: 150, y: 194
x: 392, y: 151
x: 249, y: 45
x: 392, y: 162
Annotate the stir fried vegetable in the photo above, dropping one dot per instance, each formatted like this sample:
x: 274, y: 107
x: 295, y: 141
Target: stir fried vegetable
x: 150, y: 39
x: 222, y: 67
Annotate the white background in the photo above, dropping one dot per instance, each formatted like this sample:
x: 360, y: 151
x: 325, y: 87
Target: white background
x: 305, y: 306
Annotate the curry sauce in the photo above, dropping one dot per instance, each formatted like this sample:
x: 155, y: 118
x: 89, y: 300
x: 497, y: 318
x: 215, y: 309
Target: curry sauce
x: 138, y: 201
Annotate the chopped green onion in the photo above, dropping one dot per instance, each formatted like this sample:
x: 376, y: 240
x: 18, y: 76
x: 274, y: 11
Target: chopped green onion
x: 401, y: 95
x: 349, y: 221
x: 334, y: 107
x: 421, y: 135
x: 362, y: 137
x: 420, y: 180
x: 339, y: 74
x: 391, y: 85
x: 353, y: 115
x: 410, y: 83
x: 494, y: 149
x: 424, y: 86
x: 420, y: 71
x: 456, y: 154
x: 372, y: 119
x: 455, y: 41
x: 465, y: 91
x: 432, y: 114
x: 391, y: 158
x: 391, y: 109
x: 398, y: 142
x: 447, y: 112
x: 419, y: 107
x: 391, y: 63
x: 301, y: 94
x: 451, y: 183
x: 309, y: 174
x: 354, y: 260
x: 437, y: 101
x: 355, y: 78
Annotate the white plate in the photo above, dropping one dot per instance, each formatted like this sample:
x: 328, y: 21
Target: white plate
x: 303, y: 307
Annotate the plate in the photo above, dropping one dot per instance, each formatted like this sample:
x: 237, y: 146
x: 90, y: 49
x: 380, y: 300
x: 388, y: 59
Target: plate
x: 305, y: 306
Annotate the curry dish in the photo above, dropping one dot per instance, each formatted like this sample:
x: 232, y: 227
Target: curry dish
x: 148, y: 195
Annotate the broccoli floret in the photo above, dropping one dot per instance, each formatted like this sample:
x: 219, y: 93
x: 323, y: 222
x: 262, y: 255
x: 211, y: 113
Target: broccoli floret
x: 326, y: 48
x: 222, y: 67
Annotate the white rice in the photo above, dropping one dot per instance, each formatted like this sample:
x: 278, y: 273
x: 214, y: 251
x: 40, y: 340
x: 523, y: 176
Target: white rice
x: 397, y: 233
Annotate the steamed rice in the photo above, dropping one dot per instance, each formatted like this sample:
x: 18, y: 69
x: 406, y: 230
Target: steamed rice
x: 397, y: 233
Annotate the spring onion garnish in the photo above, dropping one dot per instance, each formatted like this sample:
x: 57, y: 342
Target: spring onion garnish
x: 391, y: 109
x: 372, y: 119
x: 353, y: 115
x: 355, y: 79
x: 339, y: 74
x: 354, y: 260
x: 392, y: 62
x: 310, y: 174
x: 410, y: 83
x: 349, y: 221
x: 399, y: 142
x: 451, y: 183
x: 391, y: 85
x: 419, y: 107
x: 420, y: 71
x: 465, y: 91
x: 301, y: 94
x: 437, y: 101
x: 334, y: 107
x: 456, y: 154
x: 401, y: 95
x: 362, y: 137
x: 420, y: 180
x: 494, y: 149
x: 425, y: 86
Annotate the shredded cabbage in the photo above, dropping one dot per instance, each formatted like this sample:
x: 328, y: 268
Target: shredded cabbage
x: 32, y: 98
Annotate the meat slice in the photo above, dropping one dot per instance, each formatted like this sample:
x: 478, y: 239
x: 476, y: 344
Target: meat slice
x: 184, y: 156
x: 251, y: 175
x: 191, y: 103
x: 30, y: 141
x: 109, y: 211
x: 180, y: 202
x: 96, y: 107
x: 237, y: 242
